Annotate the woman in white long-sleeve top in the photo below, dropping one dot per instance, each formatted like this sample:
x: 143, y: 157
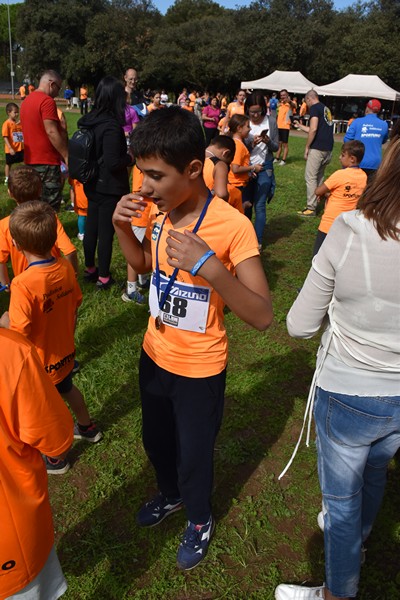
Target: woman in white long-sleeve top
x: 355, y: 280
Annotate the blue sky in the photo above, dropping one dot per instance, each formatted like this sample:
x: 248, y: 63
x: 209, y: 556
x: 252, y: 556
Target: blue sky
x: 163, y: 5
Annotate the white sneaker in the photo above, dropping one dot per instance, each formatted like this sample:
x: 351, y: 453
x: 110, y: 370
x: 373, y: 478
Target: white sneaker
x: 282, y: 163
x: 81, y: 236
x: 276, y: 160
x: 320, y: 520
x: 299, y: 592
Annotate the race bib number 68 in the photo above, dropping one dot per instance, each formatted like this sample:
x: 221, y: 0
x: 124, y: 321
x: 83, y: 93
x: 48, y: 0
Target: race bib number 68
x: 186, y: 306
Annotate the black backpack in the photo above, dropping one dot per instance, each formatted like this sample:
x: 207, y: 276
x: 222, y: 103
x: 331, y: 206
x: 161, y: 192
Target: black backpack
x: 82, y: 162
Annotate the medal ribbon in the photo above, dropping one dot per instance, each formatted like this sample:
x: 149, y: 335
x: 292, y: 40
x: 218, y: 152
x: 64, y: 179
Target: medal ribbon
x: 161, y: 301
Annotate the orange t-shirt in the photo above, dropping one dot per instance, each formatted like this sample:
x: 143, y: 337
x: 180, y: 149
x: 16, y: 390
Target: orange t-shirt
x: 223, y: 125
x: 199, y: 352
x: 13, y: 132
x: 31, y: 88
x: 241, y: 158
x: 22, y: 91
x: 208, y: 173
x: 187, y: 107
x: 235, y: 195
x: 43, y: 305
x: 303, y: 109
x: 137, y: 180
x: 80, y: 199
x: 283, y: 116
x: 34, y: 420
x: 235, y: 198
x: 18, y: 261
x: 345, y: 186
x: 235, y: 108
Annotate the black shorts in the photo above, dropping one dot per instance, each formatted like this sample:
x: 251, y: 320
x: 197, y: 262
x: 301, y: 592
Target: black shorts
x: 65, y: 386
x: 283, y: 135
x: 12, y: 159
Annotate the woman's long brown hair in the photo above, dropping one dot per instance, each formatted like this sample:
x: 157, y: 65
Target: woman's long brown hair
x: 380, y: 201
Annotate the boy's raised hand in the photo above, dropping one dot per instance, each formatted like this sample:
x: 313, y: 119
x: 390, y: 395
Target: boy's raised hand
x: 184, y: 249
x: 5, y: 320
x: 130, y: 205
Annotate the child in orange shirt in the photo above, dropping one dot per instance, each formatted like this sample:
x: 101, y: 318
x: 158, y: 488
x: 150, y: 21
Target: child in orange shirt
x: 43, y: 307
x: 344, y: 186
x: 13, y: 138
x: 187, y: 105
x: 139, y: 225
x: 219, y: 155
x: 25, y: 184
x: 155, y: 102
x: 241, y: 169
x: 80, y: 204
x: 203, y: 254
x: 34, y: 420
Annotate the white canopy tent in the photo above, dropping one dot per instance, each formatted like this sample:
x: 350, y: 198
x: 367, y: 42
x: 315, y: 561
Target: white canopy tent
x: 368, y: 86
x: 292, y: 81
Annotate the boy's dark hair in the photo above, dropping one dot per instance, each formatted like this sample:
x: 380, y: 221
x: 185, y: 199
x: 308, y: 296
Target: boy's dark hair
x: 11, y: 106
x: 224, y: 142
x: 255, y: 99
x: 33, y: 226
x: 24, y: 184
x: 354, y: 148
x: 173, y: 134
x: 237, y: 121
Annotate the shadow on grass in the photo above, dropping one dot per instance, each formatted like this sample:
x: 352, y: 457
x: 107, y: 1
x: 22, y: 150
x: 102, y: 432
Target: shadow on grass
x: 281, y: 227
x: 254, y: 420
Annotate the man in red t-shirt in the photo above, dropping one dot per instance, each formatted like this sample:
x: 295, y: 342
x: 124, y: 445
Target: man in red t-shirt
x: 46, y: 142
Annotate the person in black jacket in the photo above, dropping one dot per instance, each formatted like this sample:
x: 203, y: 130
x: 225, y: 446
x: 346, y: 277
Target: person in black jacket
x: 104, y: 191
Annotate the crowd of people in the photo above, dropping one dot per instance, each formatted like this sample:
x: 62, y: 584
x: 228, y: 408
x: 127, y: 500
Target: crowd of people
x: 185, y: 216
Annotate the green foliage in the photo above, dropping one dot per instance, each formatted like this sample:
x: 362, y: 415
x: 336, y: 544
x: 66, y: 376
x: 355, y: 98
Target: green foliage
x: 200, y: 44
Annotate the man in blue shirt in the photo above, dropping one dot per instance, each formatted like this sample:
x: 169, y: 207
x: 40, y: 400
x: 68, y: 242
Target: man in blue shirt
x: 373, y: 132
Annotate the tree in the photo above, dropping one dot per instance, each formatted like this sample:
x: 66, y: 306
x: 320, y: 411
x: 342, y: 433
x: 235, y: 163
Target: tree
x: 52, y: 31
x: 5, y: 63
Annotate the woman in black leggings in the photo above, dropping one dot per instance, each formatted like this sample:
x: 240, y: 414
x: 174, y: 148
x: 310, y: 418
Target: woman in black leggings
x: 103, y: 191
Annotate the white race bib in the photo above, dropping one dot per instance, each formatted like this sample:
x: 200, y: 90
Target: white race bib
x: 186, y: 306
x: 18, y: 137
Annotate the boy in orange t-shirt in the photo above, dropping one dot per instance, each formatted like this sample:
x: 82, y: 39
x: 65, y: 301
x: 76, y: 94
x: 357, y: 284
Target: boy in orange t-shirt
x: 139, y: 225
x: 43, y: 307
x: 241, y: 169
x: 80, y: 204
x: 203, y: 254
x: 25, y: 185
x: 13, y: 138
x: 219, y: 156
x: 34, y: 421
x: 344, y: 186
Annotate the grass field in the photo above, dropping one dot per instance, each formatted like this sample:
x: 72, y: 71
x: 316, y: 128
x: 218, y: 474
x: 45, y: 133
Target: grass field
x: 266, y: 530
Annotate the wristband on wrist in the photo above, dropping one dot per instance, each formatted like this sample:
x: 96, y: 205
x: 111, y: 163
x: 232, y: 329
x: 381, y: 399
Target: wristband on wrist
x: 201, y: 262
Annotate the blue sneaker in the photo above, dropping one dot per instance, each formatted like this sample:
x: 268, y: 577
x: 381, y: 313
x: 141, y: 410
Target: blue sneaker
x: 133, y: 297
x: 157, y: 509
x: 194, y: 544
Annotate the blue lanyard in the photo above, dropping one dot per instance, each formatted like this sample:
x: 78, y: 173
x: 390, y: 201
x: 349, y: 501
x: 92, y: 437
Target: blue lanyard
x: 41, y: 262
x: 161, y: 301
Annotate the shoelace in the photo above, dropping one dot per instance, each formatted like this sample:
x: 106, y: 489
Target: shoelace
x: 191, y: 538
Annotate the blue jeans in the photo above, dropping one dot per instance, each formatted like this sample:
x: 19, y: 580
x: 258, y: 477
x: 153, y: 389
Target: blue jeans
x: 258, y: 191
x: 356, y: 438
